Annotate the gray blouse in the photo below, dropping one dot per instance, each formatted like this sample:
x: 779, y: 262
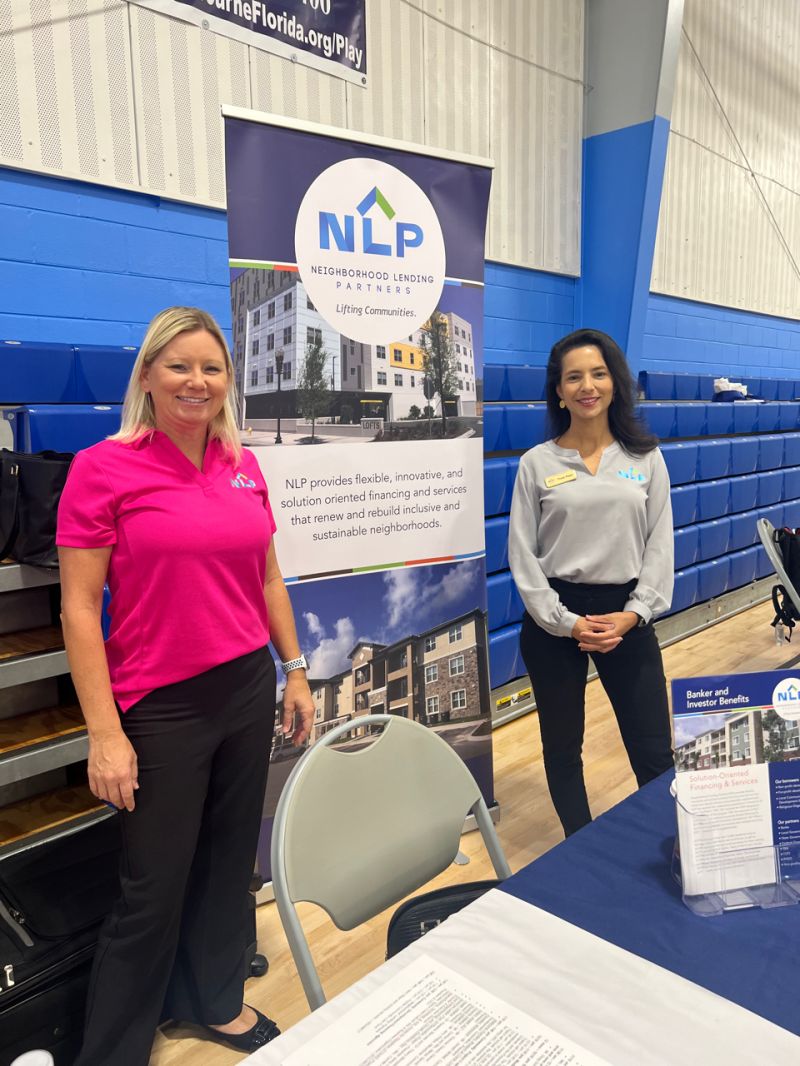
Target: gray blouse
x: 606, y: 529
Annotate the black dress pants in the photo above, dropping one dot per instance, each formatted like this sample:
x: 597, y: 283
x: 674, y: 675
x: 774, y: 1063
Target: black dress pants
x: 633, y: 678
x: 177, y: 937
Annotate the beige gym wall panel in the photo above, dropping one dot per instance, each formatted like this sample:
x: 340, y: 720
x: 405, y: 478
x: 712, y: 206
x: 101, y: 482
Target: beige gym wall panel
x: 537, y: 133
x: 182, y: 74
x: 66, y: 98
x: 500, y: 80
x: 729, y: 224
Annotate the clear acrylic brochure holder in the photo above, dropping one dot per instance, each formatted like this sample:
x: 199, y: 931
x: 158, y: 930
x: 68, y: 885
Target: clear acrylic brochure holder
x: 773, y: 869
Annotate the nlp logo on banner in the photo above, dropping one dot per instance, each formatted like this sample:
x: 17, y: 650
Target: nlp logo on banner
x: 370, y: 250
x: 786, y: 698
x: 408, y: 234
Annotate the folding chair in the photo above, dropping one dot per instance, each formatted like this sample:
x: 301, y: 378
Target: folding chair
x: 358, y: 829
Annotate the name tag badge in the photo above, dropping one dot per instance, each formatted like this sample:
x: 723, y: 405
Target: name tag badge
x: 560, y: 479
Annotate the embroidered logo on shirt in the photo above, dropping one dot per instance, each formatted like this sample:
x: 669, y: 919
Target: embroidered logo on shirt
x: 242, y: 481
x: 631, y: 474
x: 560, y: 479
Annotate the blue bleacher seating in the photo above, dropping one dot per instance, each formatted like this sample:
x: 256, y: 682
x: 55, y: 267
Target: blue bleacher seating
x: 660, y: 417
x: 685, y: 592
x: 526, y: 383
x: 512, y: 465
x: 763, y: 565
x: 496, y: 497
x: 713, y: 459
x: 33, y: 373
x: 743, y: 567
x: 744, y: 455
x: 61, y: 427
x: 494, y: 428
x: 687, y: 545
x: 687, y: 387
x: 791, y: 449
x: 681, y: 460
x: 770, y: 488
x: 791, y: 514
x: 770, y: 452
x: 791, y: 483
x: 743, y: 493
x: 745, y: 417
x: 743, y: 531
x: 503, y: 601
x: 713, y: 578
x: 504, y: 662
x: 525, y: 426
x: 691, y: 419
x: 769, y: 417
x: 713, y: 538
x: 787, y: 417
x: 719, y: 419
x: 101, y: 373
x: 657, y: 385
x: 496, y: 544
x: 713, y: 499
x: 787, y: 389
x: 495, y: 383
x: 684, y: 505
x: 774, y: 514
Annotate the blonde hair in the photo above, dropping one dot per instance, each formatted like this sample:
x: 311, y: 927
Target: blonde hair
x: 138, y: 414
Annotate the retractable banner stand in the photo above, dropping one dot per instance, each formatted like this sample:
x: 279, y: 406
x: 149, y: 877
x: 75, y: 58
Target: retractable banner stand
x: 357, y: 291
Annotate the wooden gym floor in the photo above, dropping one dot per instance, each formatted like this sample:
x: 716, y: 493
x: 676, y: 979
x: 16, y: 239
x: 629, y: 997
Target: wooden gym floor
x: 527, y: 828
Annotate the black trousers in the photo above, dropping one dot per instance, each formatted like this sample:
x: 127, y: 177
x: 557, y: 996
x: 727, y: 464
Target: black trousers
x: 176, y: 938
x: 633, y: 678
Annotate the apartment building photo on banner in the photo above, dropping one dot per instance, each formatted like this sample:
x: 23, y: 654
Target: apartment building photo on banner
x: 384, y: 382
x: 357, y: 303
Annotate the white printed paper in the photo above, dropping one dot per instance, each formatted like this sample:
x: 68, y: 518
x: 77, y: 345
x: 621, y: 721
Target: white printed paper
x: 428, y: 1015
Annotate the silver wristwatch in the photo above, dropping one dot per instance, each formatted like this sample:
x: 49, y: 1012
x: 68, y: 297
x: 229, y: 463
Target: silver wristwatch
x: 299, y: 663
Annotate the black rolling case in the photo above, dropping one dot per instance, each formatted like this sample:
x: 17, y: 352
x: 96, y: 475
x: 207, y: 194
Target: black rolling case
x: 53, y: 900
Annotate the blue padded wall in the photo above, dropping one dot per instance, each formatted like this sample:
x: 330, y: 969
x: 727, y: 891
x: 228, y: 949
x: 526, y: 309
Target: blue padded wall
x: 86, y: 264
x: 682, y: 335
x: 526, y: 311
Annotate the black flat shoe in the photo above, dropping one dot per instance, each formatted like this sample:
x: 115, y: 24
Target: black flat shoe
x: 260, y: 1034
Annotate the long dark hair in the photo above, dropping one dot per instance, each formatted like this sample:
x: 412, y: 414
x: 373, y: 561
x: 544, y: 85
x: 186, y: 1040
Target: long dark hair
x: 625, y: 425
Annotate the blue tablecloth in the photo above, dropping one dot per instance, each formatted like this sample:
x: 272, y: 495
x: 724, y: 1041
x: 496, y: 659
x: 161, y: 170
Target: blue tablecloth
x: 613, y: 879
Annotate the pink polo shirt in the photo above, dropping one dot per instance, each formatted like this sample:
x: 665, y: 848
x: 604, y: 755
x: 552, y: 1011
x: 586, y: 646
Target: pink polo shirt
x: 188, y: 556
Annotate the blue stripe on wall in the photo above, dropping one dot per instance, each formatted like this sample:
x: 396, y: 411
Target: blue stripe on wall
x: 683, y: 335
x: 622, y: 180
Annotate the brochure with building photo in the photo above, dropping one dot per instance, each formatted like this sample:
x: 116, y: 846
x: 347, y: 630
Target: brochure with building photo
x: 737, y: 761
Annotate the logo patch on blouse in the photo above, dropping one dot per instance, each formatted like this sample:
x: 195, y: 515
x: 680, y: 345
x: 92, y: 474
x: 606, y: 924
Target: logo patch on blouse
x: 631, y: 474
x: 560, y: 479
x: 242, y: 481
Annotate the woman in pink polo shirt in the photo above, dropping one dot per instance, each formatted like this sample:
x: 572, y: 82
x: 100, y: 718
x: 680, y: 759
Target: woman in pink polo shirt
x: 180, y: 701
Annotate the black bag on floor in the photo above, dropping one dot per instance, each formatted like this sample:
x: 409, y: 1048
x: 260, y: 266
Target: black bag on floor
x: 417, y: 916
x: 788, y: 544
x: 53, y: 899
x: 30, y: 488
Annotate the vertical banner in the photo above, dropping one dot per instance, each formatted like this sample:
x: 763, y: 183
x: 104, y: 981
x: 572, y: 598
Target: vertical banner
x: 357, y: 293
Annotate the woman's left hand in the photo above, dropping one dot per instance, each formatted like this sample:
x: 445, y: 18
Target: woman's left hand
x: 298, y: 708
x: 622, y: 622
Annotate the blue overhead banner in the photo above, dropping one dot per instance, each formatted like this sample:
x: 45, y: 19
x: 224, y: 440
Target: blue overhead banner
x: 357, y: 300
x: 330, y: 35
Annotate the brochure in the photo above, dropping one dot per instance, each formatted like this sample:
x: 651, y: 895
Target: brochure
x: 737, y: 762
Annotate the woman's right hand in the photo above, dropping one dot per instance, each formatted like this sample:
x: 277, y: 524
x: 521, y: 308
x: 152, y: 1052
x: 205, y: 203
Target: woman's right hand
x: 113, y: 769
x: 595, y: 635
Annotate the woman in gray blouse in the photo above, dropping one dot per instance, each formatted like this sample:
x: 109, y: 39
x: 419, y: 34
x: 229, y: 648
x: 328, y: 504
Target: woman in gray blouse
x: 591, y: 551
